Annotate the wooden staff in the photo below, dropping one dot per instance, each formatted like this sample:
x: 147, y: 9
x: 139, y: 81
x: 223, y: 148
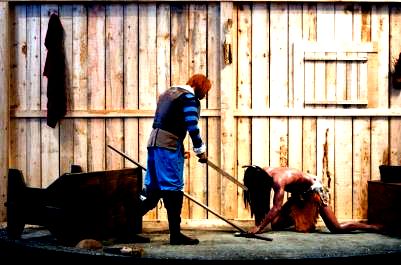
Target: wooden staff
x: 222, y: 172
x: 243, y: 233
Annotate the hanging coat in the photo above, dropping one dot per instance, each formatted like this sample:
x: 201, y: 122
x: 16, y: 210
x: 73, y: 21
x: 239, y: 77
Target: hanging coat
x: 55, y: 71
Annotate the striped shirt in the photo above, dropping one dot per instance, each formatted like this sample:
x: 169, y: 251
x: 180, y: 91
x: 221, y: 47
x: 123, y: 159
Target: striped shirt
x: 191, y: 117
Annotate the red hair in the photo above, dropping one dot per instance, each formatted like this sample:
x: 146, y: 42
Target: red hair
x: 201, y: 85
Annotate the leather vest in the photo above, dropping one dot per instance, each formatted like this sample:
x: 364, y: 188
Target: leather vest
x: 169, y: 114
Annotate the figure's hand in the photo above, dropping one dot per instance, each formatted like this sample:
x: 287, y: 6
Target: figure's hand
x: 202, y: 157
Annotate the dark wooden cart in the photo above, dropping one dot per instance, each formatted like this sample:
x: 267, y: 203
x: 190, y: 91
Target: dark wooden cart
x: 98, y: 205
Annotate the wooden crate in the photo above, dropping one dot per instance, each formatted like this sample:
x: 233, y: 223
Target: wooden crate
x: 384, y: 204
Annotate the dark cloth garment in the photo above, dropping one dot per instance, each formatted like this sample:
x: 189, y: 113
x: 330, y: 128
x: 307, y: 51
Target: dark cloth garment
x: 161, y: 138
x: 169, y: 115
x: 178, y: 112
x: 55, y: 70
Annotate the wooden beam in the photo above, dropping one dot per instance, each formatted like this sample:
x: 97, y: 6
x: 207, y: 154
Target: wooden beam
x: 361, y: 101
x: 227, y: 105
x: 4, y: 103
x: 295, y: 112
x: 284, y: 112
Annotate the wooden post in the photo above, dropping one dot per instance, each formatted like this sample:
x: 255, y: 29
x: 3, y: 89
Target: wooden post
x: 227, y: 83
x: 4, y: 103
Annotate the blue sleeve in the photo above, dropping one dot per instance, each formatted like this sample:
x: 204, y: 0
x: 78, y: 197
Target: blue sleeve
x: 191, y: 117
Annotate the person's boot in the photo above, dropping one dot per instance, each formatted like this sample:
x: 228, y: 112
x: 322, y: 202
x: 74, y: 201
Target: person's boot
x: 147, y: 201
x: 173, y: 203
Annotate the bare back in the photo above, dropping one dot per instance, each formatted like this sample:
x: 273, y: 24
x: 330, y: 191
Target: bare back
x: 290, y: 180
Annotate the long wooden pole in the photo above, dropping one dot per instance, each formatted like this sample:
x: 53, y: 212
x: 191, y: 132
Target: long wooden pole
x: 243, y: 233
x: 224, y: 173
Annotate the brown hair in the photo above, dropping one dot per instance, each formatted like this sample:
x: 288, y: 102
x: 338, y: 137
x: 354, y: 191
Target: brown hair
x: 201, y: 85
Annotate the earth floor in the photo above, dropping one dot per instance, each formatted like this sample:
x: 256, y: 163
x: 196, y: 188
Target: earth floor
x: 215, y: 247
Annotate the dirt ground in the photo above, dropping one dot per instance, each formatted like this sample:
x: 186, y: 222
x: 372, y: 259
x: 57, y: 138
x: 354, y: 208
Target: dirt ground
x: 215, y: 247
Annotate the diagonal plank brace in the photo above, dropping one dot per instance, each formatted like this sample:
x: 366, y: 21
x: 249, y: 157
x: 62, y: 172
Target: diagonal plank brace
x: 242, y: 233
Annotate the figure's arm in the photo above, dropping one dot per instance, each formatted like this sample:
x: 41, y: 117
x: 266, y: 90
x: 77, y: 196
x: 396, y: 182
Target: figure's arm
x: 191, y: 118
x: 329, y: 218
x: 278, y: 200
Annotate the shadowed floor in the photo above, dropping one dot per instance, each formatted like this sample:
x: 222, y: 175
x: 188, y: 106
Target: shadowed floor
x: 216, y: 247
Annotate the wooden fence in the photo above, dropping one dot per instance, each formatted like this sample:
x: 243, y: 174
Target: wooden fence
x: 308, y: 86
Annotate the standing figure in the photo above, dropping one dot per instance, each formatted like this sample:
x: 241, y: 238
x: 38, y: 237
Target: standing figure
x: 178, y: 111
x: 308, y: 199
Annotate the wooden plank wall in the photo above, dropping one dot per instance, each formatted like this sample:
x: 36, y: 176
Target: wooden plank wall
x: 121, y: 56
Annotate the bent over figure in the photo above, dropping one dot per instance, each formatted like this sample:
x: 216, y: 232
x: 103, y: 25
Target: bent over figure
x: 308, y: 199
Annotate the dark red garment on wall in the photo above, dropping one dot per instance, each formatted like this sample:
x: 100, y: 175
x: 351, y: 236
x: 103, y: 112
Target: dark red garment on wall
x: 55, y: 70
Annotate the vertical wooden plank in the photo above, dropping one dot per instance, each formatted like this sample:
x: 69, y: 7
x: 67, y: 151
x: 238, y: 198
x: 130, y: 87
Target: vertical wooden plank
x: 260, y: 82
x: 325, y: 89
x: 260, y: 85
x: 395, y: 95
x: 197, y: 30
x: 361, y: 171
x: 33, y: 78
x: 244, y: 97
x: 131, y: 81
x: 4, y: 102
x: 49, y: 138
x: 360, y: 138
x: 228, y: 132
x: 296, y: 88
x: 197, y: 33
x: 372, y: 96
x: 379, y: 126
x: 147, y: 88
x: 279, y: 84
x: 79, y: 88
x: 96, y: 86
x: 163, y: 48
x: 18, y: 96
x: 343, y: 178
x: 323, y: 24
x: 12, y: 88
x: 114, y: 82
x: 179, y: 44
x: 343, y: 33
x: 213, y: 102
x: 131, y: 57
x: 67, y: 125
x: 362, y: 34
x: 309, y: 33
x: 361, y: 162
